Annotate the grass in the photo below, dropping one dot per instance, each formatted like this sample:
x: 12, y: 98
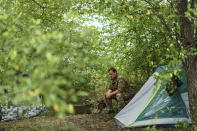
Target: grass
x: 82, y: 122
x: 39, y: 123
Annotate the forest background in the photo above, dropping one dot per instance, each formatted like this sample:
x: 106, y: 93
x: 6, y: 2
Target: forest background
x: 61, y: 50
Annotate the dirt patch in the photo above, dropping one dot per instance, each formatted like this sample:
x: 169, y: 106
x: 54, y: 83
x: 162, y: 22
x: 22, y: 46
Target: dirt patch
x: 94, y: 122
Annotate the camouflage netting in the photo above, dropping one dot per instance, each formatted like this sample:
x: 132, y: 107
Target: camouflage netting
x: 16, y: 110
x: 9, y: 113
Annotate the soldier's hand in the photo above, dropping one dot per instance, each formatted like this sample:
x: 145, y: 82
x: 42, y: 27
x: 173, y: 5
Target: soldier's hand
x: 108, y: 95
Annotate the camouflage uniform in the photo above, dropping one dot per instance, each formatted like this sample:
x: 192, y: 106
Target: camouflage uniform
x: 121, y: 84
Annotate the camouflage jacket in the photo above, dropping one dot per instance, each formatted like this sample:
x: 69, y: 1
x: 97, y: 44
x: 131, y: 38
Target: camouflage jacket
x: 119, y: 83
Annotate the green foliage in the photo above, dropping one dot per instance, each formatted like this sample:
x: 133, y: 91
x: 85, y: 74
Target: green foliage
x: 153, y: 128
x: 48, y: 49
x: 138, y: 40
x: 40, y: 58
x: 183, y: 126
x: 172, y: 73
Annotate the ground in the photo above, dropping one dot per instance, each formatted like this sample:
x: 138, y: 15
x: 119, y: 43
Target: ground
x: 80, y: 122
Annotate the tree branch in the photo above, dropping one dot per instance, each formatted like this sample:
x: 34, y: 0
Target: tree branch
x: 196, y: 36
x: 43, y: 7
x: 171, y: 4
x: 38, y: 4
x: 158, y: 15
x: 193, y: 2
x: 151, y: 4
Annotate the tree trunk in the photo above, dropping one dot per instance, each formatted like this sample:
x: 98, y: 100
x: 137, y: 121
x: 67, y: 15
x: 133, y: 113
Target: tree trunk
x: 191, y: 71
x: 188, y: 41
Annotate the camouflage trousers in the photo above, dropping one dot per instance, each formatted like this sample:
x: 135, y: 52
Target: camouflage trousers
x: 120, y: 98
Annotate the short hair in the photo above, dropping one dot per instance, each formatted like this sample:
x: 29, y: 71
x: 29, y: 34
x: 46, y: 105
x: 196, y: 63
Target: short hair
x: 112, y: 69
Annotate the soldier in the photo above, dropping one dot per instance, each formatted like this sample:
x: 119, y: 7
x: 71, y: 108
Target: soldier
x: 119, y: 90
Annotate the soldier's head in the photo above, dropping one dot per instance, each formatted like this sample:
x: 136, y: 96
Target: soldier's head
x: 112, y: 73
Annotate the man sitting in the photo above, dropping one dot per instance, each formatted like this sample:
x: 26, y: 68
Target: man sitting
x: 119, y: 90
